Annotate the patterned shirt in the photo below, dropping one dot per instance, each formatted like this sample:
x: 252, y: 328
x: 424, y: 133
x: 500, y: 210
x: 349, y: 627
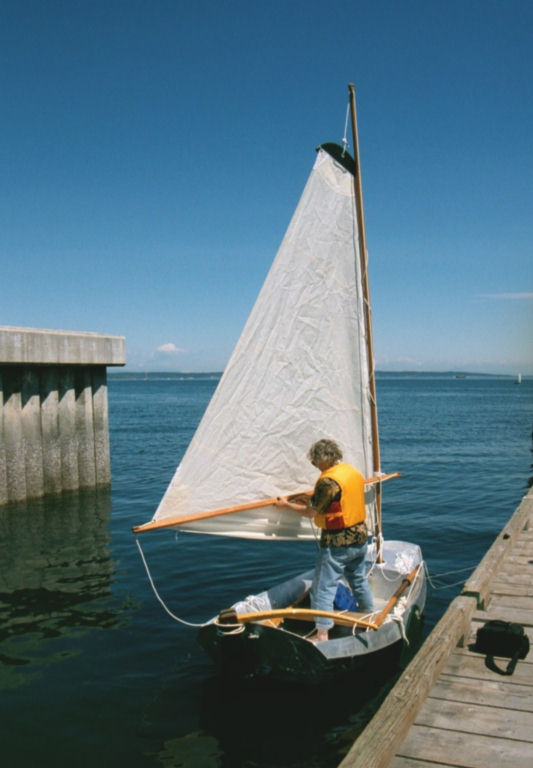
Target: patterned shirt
x: 327, y: 491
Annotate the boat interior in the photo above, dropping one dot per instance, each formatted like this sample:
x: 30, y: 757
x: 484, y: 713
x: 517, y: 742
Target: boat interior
x: 384, y: 580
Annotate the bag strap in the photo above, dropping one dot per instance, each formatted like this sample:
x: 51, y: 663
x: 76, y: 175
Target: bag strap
x: 491, y: 664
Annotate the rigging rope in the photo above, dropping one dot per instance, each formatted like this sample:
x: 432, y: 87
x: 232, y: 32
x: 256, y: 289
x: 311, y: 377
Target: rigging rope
x: 159, y: 598
x: 432, y: 579
x: 230, y: 629
x: 399, y: 618
x: 238, y: 628
x: 345, y: 140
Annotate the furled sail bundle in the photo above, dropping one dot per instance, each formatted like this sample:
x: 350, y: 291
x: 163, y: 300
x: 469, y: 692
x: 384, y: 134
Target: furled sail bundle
x: 299, y: 372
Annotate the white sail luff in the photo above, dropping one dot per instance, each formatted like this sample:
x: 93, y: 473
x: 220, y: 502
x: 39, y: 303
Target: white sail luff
x: 299, y: 372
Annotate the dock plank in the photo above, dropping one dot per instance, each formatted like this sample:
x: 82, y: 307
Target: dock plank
x: 510, y: 573
x: 479, y: 719
x: 470, y: 665
x: 515, y: 602
x: 519, y: 560
x: 491, y: 692
x: 513, y: 585
x: 406, y: 762
x: 466, y: 750
x: 501, y: 609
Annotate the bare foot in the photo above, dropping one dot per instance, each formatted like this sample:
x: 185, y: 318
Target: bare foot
x: 320, y: 636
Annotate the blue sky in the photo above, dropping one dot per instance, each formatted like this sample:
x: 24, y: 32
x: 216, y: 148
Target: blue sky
x: 153, y: 152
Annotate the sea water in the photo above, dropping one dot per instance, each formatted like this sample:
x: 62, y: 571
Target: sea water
x: 94, y: 672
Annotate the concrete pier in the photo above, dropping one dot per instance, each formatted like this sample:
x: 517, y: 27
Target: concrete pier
x: 54, y: 433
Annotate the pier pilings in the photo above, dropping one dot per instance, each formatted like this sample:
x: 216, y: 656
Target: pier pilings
x: 54, y: 431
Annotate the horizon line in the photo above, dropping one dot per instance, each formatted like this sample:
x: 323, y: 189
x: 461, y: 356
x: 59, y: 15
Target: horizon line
x: 449, y: 371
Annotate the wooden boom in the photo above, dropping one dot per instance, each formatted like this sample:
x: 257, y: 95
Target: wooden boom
x: 169, y: 522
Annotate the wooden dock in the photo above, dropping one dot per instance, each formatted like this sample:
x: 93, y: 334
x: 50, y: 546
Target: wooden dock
x: 449, y: 708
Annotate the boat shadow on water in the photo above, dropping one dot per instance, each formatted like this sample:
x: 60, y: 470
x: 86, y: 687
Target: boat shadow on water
x: 262, y: 721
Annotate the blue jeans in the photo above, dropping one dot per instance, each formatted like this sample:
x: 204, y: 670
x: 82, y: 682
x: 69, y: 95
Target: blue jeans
x: 333, y: 563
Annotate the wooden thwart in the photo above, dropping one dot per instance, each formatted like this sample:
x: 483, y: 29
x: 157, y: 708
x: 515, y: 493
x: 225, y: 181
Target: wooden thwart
x: 343, y: 619
x: 183, y: 519
x: 346, y: 619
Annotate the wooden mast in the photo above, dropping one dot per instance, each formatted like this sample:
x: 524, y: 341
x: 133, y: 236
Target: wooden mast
x: 358, y: 188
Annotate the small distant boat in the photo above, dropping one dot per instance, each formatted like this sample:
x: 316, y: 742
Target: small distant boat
x: 302, y: 369
x: 519, y: 378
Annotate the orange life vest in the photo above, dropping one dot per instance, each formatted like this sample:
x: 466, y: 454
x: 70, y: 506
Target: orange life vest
x: 351, y: 507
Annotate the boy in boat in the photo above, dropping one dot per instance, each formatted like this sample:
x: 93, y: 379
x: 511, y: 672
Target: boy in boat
x: 338, y: 508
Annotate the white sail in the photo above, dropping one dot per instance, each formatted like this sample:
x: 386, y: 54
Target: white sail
x: 299, y: 372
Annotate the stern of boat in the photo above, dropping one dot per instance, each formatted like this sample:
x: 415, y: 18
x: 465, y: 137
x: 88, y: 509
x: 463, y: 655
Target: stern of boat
x: 257, y: 650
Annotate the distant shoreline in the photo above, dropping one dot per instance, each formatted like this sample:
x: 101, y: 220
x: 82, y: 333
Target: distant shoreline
x: 214, y: 375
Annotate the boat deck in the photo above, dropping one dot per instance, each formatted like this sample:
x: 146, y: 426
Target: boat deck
x: 449, y: 708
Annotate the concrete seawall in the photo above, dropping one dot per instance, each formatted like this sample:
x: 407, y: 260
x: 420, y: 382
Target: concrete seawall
x: 54, y: 432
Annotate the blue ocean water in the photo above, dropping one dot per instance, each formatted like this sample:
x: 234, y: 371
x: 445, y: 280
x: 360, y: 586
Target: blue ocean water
x: 93, y: 671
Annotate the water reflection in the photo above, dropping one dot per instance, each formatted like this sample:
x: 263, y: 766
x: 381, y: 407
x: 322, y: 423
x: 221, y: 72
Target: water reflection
x: 55, y: 579
x: 258, y: 728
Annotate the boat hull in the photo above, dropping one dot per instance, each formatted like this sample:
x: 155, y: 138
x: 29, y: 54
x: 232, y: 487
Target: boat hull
x: 258, y: 649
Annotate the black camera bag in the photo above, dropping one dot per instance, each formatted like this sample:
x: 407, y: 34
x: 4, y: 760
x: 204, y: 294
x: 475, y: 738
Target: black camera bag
x: 505, y: 639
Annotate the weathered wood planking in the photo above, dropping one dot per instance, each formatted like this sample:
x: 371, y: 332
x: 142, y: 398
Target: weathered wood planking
x: 518, y: 610
x: 470, y: 665
x: 515, y: 584
x: 476, y: 691
x: 481, y: 719
x: 449, y: 708
x: 462, y: 749
x: 403, y: 762
x: 479, y: 584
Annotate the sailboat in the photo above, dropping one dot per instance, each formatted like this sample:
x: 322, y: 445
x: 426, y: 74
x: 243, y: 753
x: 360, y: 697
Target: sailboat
x: 302, y: 370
